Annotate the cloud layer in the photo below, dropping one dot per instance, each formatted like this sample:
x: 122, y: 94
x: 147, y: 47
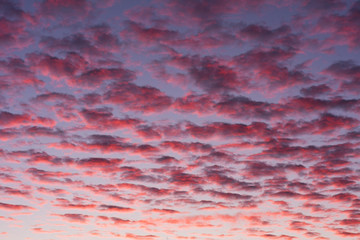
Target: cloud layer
x: 180, y: 120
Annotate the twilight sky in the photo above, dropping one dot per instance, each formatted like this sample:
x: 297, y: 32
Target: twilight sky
x: 180, y: 119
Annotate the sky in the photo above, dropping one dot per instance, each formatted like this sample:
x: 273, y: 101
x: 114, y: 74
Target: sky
x: 179, y: 119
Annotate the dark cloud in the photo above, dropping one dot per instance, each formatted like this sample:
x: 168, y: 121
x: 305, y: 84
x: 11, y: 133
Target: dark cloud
x: 148, y: 34
x: 263, y: 33
x: 112, y: 208
x: 95, y: 77
x: 103, y: 37
x: 8, y: 206
x: 64, y: 9
x: 56, y: 67
x: 271, y: 72
x: 8, y: 119
x: 348, y: 72
x: 102, y: 118
x: 316, y: 90
x: 132, y: 97
x: 220, y: 129
x: 243, y: 107
x: 185, y: 179
x: 55, y: 97
x: 207, y: 11
x: 187, y: 147
x: 74, y: 217
x: 17, y: 71
x: 324, y: 5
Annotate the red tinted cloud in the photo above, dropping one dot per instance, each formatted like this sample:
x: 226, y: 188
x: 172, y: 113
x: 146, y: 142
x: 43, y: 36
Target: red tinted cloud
x: 95, y: 77
x: 113, y: 208
x: 185, y: 179
x: 41, y: 230
x: 50, y: 176
x: 282, y: 35
x: 164, y: 118
x: 139, y: 237
x: 49, y: 191
x: 243, y: 107
x: 145, y: 34
x: 74, y: 217
x: 10, y: 119
x: 187, y: 147
x: 63, y: 203
x: 136, y: 98
x: 323, y: 5
x: 97, y: 142
x: 8, y: 206
x: 206, y: 11
x: 256, y: 129
x: 15, y: 192
x: 326, y: 123
x: 58, y: 68
x: 270, y: 72
x: 64, y: 9
x: 348, y: 72
x: 99, y: 162
x: 316, y: 90
x: 103, y: 37
x: 164, y: 211
x: 342, y: 27
x: 17, y: 71
x: 200, y: 104
x: 212, y: 75
x: 13, y: 21
x: 104, y: 119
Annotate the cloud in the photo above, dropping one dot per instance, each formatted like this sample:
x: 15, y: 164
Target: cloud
x: 9, y: 119
x: 326, y: 123
x: 164, y: 211
x: 348, y: 72
x: 16, y: 70
x: 103, y: 37
x: 323, y: 5
x: 15, y: 192
x: 58, y: 68
x: 342, y: 27
x: 195, y: 119
x: 95, y: 77
x: 99, y: 162
x: 208, y: 73
x: 144, y: 99
x: 268, y: 69
x: 63, y: 203
x: 8, y: 206
x: 41, y: 230
x: 112, y: 208
x: 243, y: 107
x: 50, y: 176
x: 146, y: 35
x: 74, y: 217
x: 220, y: 129
x: 185, y: 179
x: 315, y: 90
x: 13, y: 22
x: 206, y: 11
x: 262, y: 33
x: 187, y: 147
x: 136, y: 236
x: 65, y: 9
x: 104, y: 119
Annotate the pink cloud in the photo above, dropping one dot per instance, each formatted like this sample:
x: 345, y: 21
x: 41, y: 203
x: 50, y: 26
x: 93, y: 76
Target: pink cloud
x: 8, y: 206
